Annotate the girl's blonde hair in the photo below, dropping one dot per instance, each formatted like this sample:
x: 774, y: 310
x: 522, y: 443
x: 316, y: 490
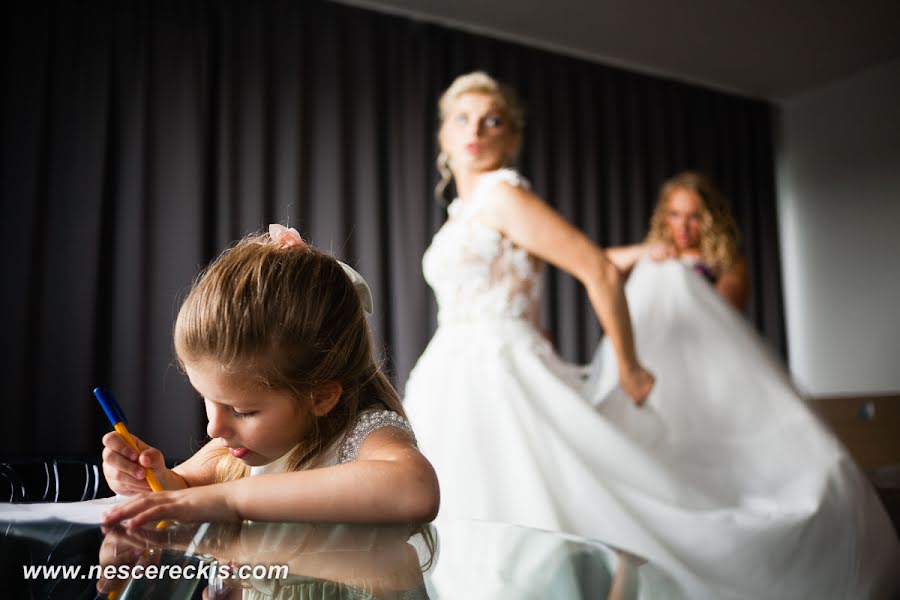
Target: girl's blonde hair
x: 287, y: 319
x: 478, y: 82
x: 719, y: 236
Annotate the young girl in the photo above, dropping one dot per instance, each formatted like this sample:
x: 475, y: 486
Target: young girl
x: 273, y: 336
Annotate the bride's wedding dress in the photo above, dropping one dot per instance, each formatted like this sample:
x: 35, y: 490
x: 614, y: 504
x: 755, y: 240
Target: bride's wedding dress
x: 724, y: 479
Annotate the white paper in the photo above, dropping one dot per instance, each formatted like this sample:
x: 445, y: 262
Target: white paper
x: 90, y: 511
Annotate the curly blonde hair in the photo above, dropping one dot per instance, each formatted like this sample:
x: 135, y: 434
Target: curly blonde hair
x: 478, y: 82
x: 719, y: 237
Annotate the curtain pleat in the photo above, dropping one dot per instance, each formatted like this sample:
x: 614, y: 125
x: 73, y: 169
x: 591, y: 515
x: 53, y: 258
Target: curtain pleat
x: 141, y: 137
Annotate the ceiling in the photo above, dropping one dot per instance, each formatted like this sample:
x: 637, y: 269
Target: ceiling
x: 766, y: 49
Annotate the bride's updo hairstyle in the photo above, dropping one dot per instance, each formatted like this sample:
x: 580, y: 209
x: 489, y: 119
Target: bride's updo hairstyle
x: 719, y: 237
x: 478, y: 82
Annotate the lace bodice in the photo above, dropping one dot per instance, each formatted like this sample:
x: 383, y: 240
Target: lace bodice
x: 474, y: 270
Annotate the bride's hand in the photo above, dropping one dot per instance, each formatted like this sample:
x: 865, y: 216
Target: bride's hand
x: 637, y: 383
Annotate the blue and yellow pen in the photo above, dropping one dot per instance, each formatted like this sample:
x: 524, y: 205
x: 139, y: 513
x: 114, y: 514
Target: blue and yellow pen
x: 118, y: 421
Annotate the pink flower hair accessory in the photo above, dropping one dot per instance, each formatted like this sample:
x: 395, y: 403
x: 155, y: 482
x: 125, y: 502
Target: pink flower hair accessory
x: 288, y: 237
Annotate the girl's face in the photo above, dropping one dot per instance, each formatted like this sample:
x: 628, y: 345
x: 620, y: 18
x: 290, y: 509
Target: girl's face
x: 476, y: 135
x: 684, y: 219
x: 256, y: 424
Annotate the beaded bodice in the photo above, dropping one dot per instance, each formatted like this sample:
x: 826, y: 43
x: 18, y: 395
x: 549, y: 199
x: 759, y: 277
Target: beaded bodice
x: 366, y: 423
x: 475, y: 271
x: 346, y: 449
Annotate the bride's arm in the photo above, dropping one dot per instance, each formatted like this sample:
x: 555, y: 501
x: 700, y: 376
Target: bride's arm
x: 532, y: 224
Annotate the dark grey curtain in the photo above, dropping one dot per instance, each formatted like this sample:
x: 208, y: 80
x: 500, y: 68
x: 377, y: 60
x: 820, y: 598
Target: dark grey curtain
x: 139, y: 138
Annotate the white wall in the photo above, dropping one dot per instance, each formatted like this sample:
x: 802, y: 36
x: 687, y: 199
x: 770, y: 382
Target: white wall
x: 839, y: 210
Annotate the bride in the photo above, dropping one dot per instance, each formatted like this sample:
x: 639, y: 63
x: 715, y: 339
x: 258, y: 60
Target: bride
x: 769, y: 505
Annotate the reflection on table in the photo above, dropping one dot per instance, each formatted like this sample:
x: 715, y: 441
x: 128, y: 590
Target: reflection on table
x: 323, y: 561
x: 481, y: 560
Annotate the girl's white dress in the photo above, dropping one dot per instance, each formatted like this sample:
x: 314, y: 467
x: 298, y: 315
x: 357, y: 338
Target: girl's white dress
x: 724, y: 480
x: 345, y: 449
x: 291, y: 541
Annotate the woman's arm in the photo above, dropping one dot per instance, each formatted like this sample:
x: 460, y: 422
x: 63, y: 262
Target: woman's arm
x: 532, y: 224
x: 734, y: 285
x: 390, y: 482
x: 625, y: 257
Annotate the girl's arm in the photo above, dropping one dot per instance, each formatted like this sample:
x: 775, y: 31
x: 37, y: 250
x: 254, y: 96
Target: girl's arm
x: 734, y: 285
x: 390, y: 482
x: 200, y: 469
x: 532, y: 224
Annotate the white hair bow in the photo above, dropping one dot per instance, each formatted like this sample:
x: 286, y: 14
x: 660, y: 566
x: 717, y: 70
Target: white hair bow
x: 290, y: 238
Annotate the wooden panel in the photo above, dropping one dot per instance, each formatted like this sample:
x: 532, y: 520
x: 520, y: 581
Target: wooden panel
x: 869, y: 426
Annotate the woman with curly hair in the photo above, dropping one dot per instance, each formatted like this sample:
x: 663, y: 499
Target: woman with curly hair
x: 692, y: 222
x: 758, y: 486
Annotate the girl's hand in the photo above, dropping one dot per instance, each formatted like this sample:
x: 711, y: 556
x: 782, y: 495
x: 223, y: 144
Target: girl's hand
x: 637, y: 383
x: 174, y: 536
x: 124, y: 467
x: 118, y: 551
x: 205, y: 503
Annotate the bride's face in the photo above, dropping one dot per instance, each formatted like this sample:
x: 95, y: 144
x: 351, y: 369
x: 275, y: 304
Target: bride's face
x: 476, y: 134
x: 684, y: 219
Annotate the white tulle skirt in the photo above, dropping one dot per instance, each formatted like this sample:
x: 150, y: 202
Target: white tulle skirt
x: 724, y: 479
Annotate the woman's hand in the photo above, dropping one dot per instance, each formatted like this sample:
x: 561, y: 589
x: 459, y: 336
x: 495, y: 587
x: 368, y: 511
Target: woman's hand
x: 659, y: 251
x: 206, y: 503
x: 637, y: 383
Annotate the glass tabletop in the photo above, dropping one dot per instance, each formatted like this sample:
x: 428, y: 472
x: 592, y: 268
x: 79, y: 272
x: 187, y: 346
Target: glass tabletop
x: 448, y: 559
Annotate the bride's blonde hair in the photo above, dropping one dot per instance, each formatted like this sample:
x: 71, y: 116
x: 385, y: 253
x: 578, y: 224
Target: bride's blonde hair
x: 719, y: 236
x: 478, y: 82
